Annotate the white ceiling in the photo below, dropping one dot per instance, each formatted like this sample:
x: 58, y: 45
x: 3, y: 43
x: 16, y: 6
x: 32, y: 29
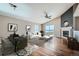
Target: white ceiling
x: 76, y: 13
x: 34, y: 12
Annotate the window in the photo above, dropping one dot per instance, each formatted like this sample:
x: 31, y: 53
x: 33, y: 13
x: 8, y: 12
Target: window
x: 36, y: 28
x: 49, y: 28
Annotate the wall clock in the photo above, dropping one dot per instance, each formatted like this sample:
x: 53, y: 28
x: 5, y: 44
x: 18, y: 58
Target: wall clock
x: 66, y: 23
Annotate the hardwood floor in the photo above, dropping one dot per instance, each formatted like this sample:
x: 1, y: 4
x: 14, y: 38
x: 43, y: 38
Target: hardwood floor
x: 55, y: 47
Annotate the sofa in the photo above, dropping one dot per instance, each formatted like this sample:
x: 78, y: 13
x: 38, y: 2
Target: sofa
x: 9, y: 44
x: 39, y: 40
x: 20, y: 42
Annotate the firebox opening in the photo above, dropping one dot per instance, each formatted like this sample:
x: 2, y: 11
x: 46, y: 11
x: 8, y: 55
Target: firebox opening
x: 65, y: 33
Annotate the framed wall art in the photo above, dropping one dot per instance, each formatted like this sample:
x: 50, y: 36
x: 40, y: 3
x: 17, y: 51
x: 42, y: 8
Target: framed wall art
x: 12, y: 27
x: 28, y: 27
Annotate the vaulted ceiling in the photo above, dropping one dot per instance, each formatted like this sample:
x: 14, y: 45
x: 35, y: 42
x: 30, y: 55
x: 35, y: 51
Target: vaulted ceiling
x: 76, y: 13
x: 34, y: 12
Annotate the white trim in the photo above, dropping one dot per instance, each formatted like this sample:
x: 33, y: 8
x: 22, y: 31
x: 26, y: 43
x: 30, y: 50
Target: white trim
x: 66, y: 29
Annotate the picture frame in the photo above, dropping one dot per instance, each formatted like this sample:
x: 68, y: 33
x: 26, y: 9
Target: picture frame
x: 12, y: 27
x: 28, y: 27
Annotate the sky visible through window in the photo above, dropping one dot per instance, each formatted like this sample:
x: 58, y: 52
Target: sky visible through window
x: 36, y: 28
x: 49, y: 28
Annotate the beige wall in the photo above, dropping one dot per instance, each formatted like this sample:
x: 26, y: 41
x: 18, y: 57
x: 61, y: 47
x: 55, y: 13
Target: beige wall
x: 57, y: 23
x: 77, y: 23
x: 0, y: 28
x: 21, y: 26
x: 41, y: 27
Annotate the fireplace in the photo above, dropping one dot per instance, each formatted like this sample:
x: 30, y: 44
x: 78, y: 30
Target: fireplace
x: 66, y: 32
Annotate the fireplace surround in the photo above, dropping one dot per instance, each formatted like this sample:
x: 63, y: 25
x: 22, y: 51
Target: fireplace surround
x: 66, y: 32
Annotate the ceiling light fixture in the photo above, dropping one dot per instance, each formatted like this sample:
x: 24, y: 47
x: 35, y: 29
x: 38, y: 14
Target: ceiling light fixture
x: 13, y: 5
x: 47, y: 16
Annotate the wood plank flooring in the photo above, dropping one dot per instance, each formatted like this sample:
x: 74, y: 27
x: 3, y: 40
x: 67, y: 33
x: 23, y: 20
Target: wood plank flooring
x: 55, y: 47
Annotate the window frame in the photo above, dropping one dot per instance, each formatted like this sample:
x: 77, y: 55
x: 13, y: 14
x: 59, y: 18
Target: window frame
x: 36, y: 28
x: 49, y: 30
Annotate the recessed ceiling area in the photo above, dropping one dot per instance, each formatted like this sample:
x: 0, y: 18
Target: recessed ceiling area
x: 34, y: 12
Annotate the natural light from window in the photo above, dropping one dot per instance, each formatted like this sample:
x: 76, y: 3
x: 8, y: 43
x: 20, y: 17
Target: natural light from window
x: 36, y: 28
x: 49, y: 28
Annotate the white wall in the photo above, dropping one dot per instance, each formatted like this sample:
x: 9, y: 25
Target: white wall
x: 57, y: 25
x: 76, y: 28
x: 21, y: 26
x: 76, y: 35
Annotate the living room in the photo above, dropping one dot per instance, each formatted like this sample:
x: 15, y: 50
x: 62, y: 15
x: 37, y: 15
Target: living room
x: 39, y: 28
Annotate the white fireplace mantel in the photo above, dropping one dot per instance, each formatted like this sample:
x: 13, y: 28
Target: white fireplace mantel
x: 66, y: 29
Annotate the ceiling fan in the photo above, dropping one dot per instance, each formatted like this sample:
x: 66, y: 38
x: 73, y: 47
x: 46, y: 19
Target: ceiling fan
x: 47, y: 16
x: 13, y: 5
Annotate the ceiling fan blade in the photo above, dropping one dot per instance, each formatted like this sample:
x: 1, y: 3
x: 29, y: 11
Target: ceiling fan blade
x: 49, y: 18
x: 46, y: 15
